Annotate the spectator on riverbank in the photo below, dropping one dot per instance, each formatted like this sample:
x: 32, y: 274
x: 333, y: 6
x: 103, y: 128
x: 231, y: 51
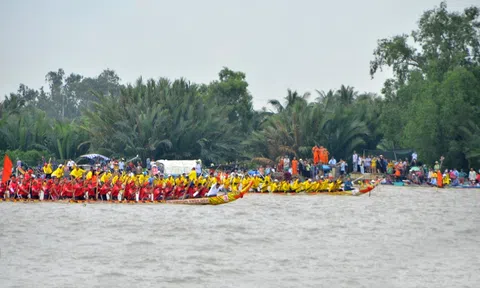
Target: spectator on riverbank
x: 472, y: 176
x: 354, y: 161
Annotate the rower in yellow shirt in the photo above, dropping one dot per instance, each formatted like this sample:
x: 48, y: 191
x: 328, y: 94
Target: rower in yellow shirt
x: 77, y: 173
x: 47, y: 169
x: 192, y: 176
x: 58, y: 173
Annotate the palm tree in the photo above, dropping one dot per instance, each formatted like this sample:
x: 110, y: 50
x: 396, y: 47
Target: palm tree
x: 346, y: 95
x: 161, y: 120
x: 326, y: 99
x: 291, y: 99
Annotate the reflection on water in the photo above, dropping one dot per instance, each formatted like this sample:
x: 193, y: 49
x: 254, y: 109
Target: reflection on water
x: 398, y: 237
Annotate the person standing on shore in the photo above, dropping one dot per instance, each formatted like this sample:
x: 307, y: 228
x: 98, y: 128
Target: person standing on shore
x: 198, y: 167
x: 472, y: 176
x: 343, y: 167
x: 294, y: 166
x: 354, y: 161
x: 316, y: 156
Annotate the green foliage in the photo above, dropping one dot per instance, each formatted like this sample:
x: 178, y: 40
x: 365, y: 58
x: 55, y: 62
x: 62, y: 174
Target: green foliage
x: 430, y: 105
x: 231, y: 94
x: 162, y: 119
x: 30, y: 157
x: 436, y: 89
x: 333, y: 121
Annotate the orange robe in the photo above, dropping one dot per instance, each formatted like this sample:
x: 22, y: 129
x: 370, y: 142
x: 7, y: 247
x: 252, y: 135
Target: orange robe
x: 321, y: 152
x: 316, y: 157
x: 397, y: 171
x: 294, y: 167
x: 439, y: 179
x: 324, y: 158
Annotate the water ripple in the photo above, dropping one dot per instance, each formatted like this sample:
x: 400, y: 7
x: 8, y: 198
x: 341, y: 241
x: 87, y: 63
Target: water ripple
x: 398, y: 237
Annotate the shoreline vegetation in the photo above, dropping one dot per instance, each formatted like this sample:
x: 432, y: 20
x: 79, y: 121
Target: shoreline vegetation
x: 430, y: 106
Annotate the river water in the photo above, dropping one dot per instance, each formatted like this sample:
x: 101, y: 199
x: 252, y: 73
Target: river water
x: 397, y: 237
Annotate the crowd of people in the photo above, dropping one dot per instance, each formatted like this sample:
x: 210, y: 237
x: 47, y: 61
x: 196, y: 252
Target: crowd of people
x: 119, y: 181
x: 408, y: 170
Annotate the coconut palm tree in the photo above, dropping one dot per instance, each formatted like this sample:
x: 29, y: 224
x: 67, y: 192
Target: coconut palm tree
x: 161, y: 120
x: 346, y: 94
x: 292, y: 98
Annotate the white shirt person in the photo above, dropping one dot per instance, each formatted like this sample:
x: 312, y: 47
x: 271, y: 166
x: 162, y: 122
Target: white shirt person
x: 414, y: 156
x: 214, y: 190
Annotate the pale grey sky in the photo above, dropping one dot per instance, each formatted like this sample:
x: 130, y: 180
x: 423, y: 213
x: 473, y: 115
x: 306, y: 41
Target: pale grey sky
x: 279, y: 44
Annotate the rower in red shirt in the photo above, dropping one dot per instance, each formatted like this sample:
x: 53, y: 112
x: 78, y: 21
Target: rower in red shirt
x: 178, y: 191
x: 56, y: 189
x: 104, y: 189
x: 168, y: 191
x: 92, y: 188
x: 116, y: 190
x: 23, y: 189
x: 79, y: 189
x: 67, y: 189
x: 144, y: 191
x: 190, y: 190
x: 158, y: 192
x: 36, y: 188
x: 12, y: 188
x: 129, y: 192
x: 47, y: 188
x: 3, y: 188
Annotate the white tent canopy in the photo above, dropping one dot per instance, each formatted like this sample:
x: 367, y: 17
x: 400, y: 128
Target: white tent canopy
x: 95, y: 156
x: 175, y: 167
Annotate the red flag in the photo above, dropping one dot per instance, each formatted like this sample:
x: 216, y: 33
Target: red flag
x: 7, y: 169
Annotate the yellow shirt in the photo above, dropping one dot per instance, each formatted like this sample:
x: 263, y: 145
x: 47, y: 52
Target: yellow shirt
x: 47, y: 169
x: 58, y: 172
x: 192, y: 176
x: 77, y: 173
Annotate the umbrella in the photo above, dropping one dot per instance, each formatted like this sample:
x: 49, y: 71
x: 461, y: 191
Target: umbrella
x: 253, y: 173
x: 415, y: 168
x: 95, y: 156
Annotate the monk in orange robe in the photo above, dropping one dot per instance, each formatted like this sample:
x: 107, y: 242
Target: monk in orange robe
x: 324, y: 156
x: 294, y: 166
x: 439, y: 179
x: 316, y: 156
x: 321, y: 152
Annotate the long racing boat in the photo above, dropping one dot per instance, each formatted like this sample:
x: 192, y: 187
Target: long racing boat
x: 215, y: 200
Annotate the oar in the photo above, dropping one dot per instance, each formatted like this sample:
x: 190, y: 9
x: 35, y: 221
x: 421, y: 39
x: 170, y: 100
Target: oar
x: 358, y: 178
x: 377, y: 183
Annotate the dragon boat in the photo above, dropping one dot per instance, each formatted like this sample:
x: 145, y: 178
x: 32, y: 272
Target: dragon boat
x: 216, y: 200
x: 335, y: 190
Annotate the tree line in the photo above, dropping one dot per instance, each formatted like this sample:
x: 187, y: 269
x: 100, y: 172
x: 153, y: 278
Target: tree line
x: 431, y: 104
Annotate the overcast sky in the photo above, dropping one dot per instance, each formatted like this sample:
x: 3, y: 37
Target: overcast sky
x: 299, y: 44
